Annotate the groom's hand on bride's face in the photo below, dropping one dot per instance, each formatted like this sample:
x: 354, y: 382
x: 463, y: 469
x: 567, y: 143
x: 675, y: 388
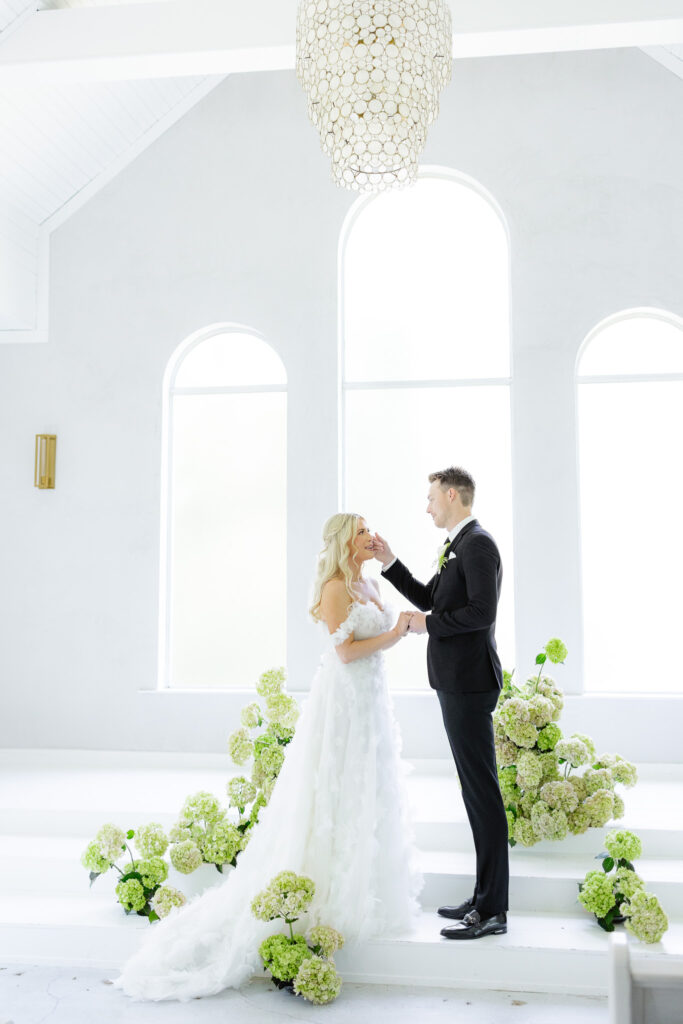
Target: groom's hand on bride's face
x: 418, y: 623
x: 381, y: 550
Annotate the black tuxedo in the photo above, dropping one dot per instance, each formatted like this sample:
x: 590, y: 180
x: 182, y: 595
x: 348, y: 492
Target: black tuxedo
x: 464, y: 668
x: 463, y: 601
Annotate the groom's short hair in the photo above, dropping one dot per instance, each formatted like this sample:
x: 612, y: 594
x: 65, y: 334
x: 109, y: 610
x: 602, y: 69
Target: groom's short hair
x: 457, y: 477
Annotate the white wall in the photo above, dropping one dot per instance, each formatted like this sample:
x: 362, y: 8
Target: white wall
x: 230, y: 216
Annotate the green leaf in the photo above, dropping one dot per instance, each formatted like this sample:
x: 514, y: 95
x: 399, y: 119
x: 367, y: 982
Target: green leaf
x: 130, y: 833
x: 607, y: 864
x: 153, y: 916
x: 511, y: 841
x: 561, y: 760
x: 541, y: 659
x: 131, y: 874
x: 605, y: 924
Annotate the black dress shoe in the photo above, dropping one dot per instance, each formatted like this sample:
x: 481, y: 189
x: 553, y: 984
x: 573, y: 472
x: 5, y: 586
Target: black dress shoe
x: 456, y: 913
x: 473, y: 926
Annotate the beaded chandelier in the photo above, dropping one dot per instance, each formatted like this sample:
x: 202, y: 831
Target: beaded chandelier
x: 373, y: 71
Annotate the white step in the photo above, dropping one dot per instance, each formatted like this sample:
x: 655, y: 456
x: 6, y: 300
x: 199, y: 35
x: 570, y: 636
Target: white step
x: 540, y: 953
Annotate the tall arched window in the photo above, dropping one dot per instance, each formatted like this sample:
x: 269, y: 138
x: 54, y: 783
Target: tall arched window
x: 630, y: 414
x: 223, y: 597
x: 426, y: 374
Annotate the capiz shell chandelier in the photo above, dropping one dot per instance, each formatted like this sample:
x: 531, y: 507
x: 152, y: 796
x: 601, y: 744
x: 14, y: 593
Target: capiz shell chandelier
x: 373, y: 71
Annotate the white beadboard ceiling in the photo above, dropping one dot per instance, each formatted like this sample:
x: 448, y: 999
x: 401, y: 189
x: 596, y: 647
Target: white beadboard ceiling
x: 62, y: 139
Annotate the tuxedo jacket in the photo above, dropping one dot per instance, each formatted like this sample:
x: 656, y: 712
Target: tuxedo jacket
x: 462, y: 601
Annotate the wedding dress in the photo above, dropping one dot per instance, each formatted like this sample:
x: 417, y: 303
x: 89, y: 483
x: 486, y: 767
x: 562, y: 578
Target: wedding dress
x: 338, y: 814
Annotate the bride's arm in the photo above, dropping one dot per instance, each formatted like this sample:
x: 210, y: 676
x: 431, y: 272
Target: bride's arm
x: 334, y: 607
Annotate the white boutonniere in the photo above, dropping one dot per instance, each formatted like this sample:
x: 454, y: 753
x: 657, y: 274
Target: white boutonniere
x: 441, y: 559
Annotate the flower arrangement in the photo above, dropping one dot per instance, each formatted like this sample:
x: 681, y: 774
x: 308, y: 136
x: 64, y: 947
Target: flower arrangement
x: 617, y: 893
x: 544, y: 796
x: 303, y: 965
x: 139, y: 889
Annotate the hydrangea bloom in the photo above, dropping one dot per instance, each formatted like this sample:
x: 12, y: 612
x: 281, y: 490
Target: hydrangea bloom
x: 646, y: 918
x: 179, y: 832
x: 92, y: 859
x: 579, y: 785
x: 574, y: 751
x: 241, y: 791
x: 250, y: 716
x: 600, y: 807
x: 151, y: 840
x: 555, y: 650
x: 509, y: 789
x: 579, y: 821
x: 549, y: 736
x: 283, y: 709
x: 165, y: 898
x: 240, y: 746
x: 283, y: 956
x: 618, y: 811
x: 515, y: 716
x: 131, y: 895
x: 288, y: 895
x: 222, y: 843
x: 624, y: 772
x: 622, y: 844
x: 153, y: 870
x: 598, y: 778
x: 524, y: 832
x: 271, y: 682
x: 588, y: 743
x: 186, y: 856
x: 506, y: 753
x: 529, y: 770
x: 327, y: 939
x: 268, y: 765
x: 279, y: 732
x: 111, y: 840
x: 549, y: 688
x: 560, y: 794
x: 318, y: 981
x: 596, y: 893
x: 547, y: 823
x: 541, y: 710
x: 549, y: 767
x: 202, y: 806
x: 627, y: 882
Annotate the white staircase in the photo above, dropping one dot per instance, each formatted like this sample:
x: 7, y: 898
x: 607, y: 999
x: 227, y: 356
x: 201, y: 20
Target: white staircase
x: 52, y: 802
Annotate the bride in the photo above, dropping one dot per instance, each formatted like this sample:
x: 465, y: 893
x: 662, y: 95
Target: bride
x: 337, y: 813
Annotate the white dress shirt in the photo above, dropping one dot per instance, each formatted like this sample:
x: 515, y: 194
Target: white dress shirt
x: 452, y: 534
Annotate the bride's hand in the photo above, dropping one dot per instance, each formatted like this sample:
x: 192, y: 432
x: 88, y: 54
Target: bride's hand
x: 403, y: 623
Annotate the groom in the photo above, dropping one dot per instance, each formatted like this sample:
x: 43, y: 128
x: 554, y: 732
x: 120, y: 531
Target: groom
x: 461, y: 601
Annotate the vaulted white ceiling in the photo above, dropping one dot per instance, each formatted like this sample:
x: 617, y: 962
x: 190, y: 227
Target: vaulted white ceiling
x: 85, y: 85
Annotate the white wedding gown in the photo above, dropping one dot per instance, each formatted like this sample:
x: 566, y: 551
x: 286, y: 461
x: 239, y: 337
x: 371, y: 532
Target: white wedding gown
x: 337, y: 813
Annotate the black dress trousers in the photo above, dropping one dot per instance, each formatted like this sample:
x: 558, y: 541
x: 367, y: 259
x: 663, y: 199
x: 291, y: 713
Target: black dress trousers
x: 469, y: 727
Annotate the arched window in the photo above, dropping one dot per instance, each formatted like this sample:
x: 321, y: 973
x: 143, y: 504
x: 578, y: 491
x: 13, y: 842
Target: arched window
x: 630, y: 415
x: 223, y: 599
x: 425, y: 342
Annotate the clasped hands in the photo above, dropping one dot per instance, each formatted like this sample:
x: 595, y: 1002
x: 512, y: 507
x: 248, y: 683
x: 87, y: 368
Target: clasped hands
x: 408, y: 622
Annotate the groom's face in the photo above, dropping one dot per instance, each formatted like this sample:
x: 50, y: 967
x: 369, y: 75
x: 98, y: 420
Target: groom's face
x: 438, y: 504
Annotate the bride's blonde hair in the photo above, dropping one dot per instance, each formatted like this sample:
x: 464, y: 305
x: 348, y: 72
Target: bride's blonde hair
x: 334, y: 559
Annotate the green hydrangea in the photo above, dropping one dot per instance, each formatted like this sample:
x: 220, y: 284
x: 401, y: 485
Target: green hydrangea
x: 524, y: 832
x: 259, y: 803
x: 555, y: 650
x: 599, y: 807
x: 240, y: 746
x: 588, y: 743
x: 92, y: 859
x: 222, y: 843
x: 283, y: 956
x: 547, y: 823
x: 202, y: 806
x: 598, y: 778
x: 621, y: 844
x: 271, y: 682
x: 280, y: 733
x: 560, y: 794
x: 515, y: 716
x: 549, y: 736
x: 240, y: 791
x: 579, y: 821
x: 251, y: 716
x: 266, y: 739
x: 618, y: 807
x: 627, y: 882
x: 268, y: 765
x: 325, y: 940
x: 506, y: 753
x: 579, y: 785
x: 541, y: 710
x: 111, y: 841
x: 529, y: 770
x: 596, y: 894
x: 186, y: 856
x: 574, y: 751
x: 509, y: 789
x: 151, y: 840
x: 624, y: 772
x: 165, y: 899
x: 549, y: 688
x: 318, y: 981
x: 287, y: 895
x: 179, y: 832
x: 131, y: 895
x: 527, y: 801
x: 511, y: 823
x: 283, y: 709
x: 646, y: 918
x: 154, y: 871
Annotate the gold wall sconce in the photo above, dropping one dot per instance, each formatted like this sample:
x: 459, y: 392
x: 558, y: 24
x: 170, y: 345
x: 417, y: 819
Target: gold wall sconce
x: 46, y: 453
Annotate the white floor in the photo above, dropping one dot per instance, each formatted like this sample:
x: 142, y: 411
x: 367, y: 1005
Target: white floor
x: 31, y: 995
